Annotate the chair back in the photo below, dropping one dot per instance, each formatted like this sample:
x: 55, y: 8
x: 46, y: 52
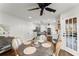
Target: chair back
x: 16, y: 43
x: 58, y: 46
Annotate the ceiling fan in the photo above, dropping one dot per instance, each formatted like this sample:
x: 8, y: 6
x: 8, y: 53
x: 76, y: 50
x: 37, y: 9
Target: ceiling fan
x: 43, y: 6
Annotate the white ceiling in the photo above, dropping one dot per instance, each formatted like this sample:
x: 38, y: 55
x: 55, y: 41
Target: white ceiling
x: 20, y: 10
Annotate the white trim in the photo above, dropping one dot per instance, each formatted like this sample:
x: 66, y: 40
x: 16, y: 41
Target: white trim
x: 75, y: 53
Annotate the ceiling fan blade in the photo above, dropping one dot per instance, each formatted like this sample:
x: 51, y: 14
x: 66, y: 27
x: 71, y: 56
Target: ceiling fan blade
x: 49, y: 9
x: 41, y: 12
x: 34, y: 9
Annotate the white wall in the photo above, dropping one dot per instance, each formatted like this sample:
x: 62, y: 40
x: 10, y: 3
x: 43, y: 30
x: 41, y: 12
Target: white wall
x: 17, y: 27
x: 74, y: 12
x: 20, y: 27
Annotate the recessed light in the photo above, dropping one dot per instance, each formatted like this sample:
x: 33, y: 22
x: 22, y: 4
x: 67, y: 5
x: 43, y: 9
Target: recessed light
x: 29, y: 17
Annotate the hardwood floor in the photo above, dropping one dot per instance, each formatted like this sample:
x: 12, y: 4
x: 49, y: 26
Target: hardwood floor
x: 11, y: 53
x: 8, y: 53
x: 64, y: 53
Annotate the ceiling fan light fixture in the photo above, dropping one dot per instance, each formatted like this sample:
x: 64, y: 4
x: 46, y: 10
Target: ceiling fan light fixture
x: 29, y: 17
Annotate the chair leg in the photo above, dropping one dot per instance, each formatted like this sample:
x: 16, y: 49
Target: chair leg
x: 16, y: 53
x: 57, y: 51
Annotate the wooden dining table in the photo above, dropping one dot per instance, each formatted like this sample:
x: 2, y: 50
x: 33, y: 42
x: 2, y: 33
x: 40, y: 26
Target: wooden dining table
x: 40, y: 50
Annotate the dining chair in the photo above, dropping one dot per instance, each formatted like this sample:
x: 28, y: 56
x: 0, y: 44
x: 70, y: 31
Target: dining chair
x: 58, y: 46
x: 42, y: 38
x: 15, y: 44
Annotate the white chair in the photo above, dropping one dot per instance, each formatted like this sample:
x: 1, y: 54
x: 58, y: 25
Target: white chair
x: 15, y: 44
x: 42, y: 38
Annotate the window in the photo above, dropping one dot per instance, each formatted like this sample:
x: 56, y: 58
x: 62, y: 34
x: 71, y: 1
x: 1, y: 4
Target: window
x: 71, y: 33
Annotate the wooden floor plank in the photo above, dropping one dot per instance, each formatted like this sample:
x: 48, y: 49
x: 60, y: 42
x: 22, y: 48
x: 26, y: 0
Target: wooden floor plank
x: 11, y: 53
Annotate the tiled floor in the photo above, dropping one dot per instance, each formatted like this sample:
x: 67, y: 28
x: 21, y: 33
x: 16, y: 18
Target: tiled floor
x: 11, y: 53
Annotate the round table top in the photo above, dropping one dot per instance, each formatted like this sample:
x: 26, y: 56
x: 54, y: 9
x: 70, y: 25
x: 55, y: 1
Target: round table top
x: 39, y: 49
x: 29, y: 50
